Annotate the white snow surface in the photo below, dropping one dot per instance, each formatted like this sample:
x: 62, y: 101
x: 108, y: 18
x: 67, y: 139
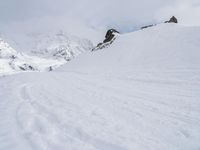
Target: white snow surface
x: 140, y: 93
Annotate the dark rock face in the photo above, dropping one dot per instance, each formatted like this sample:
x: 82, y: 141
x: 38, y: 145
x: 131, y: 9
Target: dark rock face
x: 13, y: 57
x: 110, y: 35
x: 109, y: 38
x: 147, y: 26
x: 172, y: 20
x: 50, y: 68
x: 25, y: 67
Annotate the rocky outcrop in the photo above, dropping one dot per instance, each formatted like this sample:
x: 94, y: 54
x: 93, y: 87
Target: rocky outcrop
x: 109, y: 39
x: 27, y: 67
x: 172, y: 20
x: 110, y: 35
x: 144, y: 27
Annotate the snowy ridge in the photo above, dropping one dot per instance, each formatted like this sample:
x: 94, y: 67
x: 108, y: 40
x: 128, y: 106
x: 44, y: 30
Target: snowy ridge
x: 166, y: 46
x: 107, y: 42
x: 5, y: 50
x: 7, y: 55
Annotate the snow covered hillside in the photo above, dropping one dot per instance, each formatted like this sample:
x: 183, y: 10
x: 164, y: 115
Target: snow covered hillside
x: 141, y: 93
x: 12, y: 61
x: 165, y: 46
x: 40, y: 52
x: 59, y: 45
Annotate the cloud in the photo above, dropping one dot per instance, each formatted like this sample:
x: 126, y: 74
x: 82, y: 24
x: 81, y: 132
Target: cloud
x: 125, y: 15
x: 187, y: 11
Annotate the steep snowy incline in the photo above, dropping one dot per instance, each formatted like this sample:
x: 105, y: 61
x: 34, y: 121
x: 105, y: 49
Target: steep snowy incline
x: 166, y: 46
x: 106, y: 100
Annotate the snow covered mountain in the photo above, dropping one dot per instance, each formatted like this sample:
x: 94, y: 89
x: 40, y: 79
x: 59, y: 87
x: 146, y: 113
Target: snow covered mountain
x: 57, y: 45
x: 63, y: 46
x: 7, y: 57
x: 46, y: 52
x: 6, y: 51
x: 142, y: 92
x: 12, y: 61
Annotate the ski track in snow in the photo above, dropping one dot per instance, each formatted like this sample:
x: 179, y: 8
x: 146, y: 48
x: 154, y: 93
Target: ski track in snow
x: 100, y: 112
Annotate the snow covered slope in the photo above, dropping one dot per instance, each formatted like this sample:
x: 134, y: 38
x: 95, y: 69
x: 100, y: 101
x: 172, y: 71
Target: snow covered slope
x: 142, y: 93
x: 166, y: 46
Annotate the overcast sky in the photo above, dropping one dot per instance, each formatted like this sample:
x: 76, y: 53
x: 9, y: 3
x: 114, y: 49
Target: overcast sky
x: 122, y: 14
